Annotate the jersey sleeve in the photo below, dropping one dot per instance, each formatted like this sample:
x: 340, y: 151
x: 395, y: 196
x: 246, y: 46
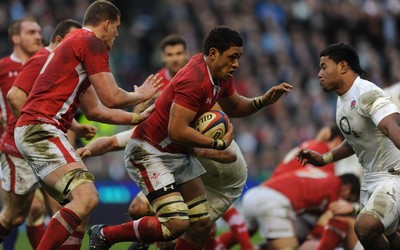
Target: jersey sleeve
x: 230, y: 89
x: 27, y: 76
x: 377, y: 105
x: 95, y: 58
x: 188, y: 95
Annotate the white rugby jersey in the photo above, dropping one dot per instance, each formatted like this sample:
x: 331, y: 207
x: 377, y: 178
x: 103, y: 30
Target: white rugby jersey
x: 359, y: 112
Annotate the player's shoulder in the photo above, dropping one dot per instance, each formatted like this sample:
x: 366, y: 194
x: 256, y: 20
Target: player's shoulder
x: 193, y: 71
x: 5, y: 60
x: 83, y: 38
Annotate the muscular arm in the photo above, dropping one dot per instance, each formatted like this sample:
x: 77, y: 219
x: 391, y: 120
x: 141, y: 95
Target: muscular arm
x: 105, y: 144
x: 240, y: 106
x: 16, y: 98
x: 390, y: 126
x: 113, y: 97
x: 180, y: 131
x: 222, y: 156
x: 342, y: 151
x: 96, y: 111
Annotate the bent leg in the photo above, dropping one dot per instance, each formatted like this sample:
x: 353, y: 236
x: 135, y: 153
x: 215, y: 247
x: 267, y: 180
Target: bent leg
x: 369, y: 231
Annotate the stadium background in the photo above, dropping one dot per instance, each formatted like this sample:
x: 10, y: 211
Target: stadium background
x: 282, y: 43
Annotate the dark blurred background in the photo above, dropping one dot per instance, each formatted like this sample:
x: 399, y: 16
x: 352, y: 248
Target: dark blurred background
x: 282, y: 43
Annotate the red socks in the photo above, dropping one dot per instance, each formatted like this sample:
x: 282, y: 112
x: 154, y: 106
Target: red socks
x: 60, y: 227
x: 238, y: 229
x: 147, y: 229
x: 182, y: 244
x: 73, y: 242
x: 333, y: 234
x: 35, y: 234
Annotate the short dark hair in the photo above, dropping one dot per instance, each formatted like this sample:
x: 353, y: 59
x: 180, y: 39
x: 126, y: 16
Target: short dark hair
x: 338, y: 52
x: 15, y: 27
x: 63, y: 28
x: 352, y: 180
x: 222, y: 38
x: 100, y: 11
x: 172, y: 40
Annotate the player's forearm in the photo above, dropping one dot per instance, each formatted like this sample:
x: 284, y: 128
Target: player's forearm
x: 74, y: 126
x: 244, y: 107
x: 189, y: 137
x: 222, y: 156
x: 102, y: 145
x: 122, y: 99
x: 16, y: 109
x: 342, y: 151
x: 109, y: 116
x: 16, y: 99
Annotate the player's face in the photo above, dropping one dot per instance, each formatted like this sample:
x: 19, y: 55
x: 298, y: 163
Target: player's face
x: 111, y: 32
x: 30, y: 37
x: 226, y: 64
x: 174, y: 57
x: 329, y: 77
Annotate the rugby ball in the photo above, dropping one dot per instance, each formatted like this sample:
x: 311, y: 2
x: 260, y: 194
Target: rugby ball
x: 213, y: 124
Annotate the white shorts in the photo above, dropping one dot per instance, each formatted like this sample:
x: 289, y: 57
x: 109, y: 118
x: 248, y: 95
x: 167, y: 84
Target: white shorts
x: 45, y: 148
x: 152, y: 169
x: 223, y: 182
x: 18, y: 177
x: 269, y: 211
x: 380, y: 197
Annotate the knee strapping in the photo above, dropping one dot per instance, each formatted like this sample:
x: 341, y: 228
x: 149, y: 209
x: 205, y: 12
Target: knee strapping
x: 198, y: 208
x: 171, y: 207
x: 70, y: 181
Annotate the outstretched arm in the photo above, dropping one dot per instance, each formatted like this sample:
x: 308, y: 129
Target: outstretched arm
x: 105, y: 144
x: 222, y: 156
x: 96, y: 111
x: 114, y: 97
x: 306, y: 156
x: 240, y: 106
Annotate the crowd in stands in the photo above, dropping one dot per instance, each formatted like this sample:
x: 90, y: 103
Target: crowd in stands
x: 282, y: 42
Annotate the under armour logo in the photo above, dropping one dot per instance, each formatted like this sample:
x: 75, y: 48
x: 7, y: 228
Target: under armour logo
x: 12, y: 74
x: 168, y: 187
x: 209, y: 100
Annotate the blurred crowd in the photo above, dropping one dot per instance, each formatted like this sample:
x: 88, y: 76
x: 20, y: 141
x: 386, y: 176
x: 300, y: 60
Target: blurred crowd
x: 282, y: 43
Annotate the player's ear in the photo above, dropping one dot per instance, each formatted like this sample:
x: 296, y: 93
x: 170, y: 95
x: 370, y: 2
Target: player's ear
x: 106, y: 25
x: 58, y: 39
x: 343, y: 67
x: 16, y: 39
x: 213, y: 53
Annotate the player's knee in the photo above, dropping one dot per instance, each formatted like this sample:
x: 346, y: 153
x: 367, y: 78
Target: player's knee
x: 172, y: 212
x: 368, y: 228
x: 87, y: 193
x: 174, y: 228
x: 200, y: 222
x: 15, y: 220
x: 140, y: 207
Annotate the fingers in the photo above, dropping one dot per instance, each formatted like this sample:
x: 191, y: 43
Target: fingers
x: 151, y: 108
x: 286, y: 87
x: 302, y: 157
x: 83, y: 152
x: 155, y: 80
x: 158, y: 84
x: 228, y: 137
x: 89, y: 136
